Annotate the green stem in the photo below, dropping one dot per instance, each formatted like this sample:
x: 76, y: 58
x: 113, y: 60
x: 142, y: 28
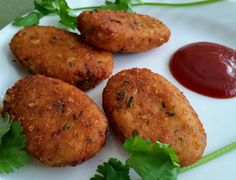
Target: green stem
x: 154, y: 4
x: 177, y: 4
x: 88, y: 7
x: 210, y: 156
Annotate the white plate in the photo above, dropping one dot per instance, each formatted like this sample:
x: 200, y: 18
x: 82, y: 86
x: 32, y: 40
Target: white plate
x: 215, y: 23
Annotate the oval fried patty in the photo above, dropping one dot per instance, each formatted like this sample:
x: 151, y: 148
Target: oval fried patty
x: 118, y: 31
x: 138, y: 101
x: 62, y: 125
x: 60, y: 54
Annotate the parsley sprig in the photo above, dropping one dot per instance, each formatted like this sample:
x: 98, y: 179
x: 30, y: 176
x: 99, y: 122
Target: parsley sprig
x: 5, y: 126
x: 151, y: 161
x: 112, y: 170
x: 61, y: 8
x: 46, y: 7
x: 12, y: 144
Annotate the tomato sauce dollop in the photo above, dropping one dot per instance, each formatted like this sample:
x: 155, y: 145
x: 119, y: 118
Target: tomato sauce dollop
x: 206, y: 68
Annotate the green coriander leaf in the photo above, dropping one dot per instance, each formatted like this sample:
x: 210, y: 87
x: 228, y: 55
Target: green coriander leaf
x: 12, y: 158
x: 12, y: 154
x: 63, y: 11
x: 61, y: 5
x: 14, y: 138
x: 28, y: 20
x: 5, y: 125
x: 119, y: 5
x: 152, y: 161
x: 112, y: 170
x: 68, y: 20
x: 45, y: 6
x: 61, y: 8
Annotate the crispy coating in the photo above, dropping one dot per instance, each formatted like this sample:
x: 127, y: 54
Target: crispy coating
x: 62, y: 125
x: 118, y: 31
x: 138, y: 101
x: 60, y: 54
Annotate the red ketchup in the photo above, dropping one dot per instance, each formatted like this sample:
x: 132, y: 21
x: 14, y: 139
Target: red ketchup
x: 206, y: 68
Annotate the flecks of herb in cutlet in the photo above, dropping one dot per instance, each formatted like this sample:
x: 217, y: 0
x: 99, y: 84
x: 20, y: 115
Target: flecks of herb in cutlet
x: 74, y: 116
x: 131, y: 102
x: 170, y: 113
x: 61, y: 105
x: 71, y: 64
x: 163, y: 104
x: 121, y: 95
x: 66, y: 126
x: 124, y: 83
x: 89, y: 140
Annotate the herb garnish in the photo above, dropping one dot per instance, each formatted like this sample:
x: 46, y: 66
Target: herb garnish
x: 112, y: 170
x: 210, y: 156
x: 28, y: 20
x: 152, y: 161
x: 12, y: 144
x: 61, y: 8
x: 5, y: 126
x: 46, y: 7
x: 126, y: 5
